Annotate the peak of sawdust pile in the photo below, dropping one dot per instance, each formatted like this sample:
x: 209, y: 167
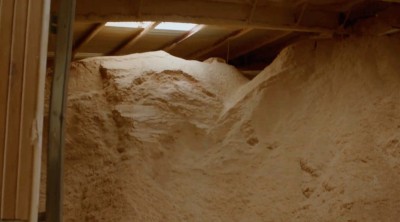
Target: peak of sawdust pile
x: 314, y: 137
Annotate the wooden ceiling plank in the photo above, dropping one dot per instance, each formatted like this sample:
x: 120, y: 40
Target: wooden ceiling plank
x: 182, y: 38
x: 133, y: 40
x: 87, y: 37
x: 219, y: 43
x: 254, y: 46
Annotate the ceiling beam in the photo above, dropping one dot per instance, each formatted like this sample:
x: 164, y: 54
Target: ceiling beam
x: 182, y: 38
x: 267, y: 16
x: 254, y: 46
x: 236, y: 34
x: 87, y: 37
x: 133, y: 40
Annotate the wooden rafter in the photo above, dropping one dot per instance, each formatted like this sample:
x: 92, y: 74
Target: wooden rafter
x: 236, y: 34
x: 182, y: 38
x: 87, y: 37
x: 258, y: 45
x: 264, y: 16
x: 133, y: 40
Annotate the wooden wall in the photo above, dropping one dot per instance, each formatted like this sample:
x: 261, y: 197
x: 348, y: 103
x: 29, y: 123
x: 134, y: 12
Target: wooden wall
x: 23, y: 46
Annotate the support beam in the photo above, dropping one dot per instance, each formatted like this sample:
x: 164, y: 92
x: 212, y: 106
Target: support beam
x: 264, y: 16
x: 182, y: 38
x: 133, y: 40
x: 55, y: 152
x: 87, y: 37
x: 257, y: 45
x: 236, y: 34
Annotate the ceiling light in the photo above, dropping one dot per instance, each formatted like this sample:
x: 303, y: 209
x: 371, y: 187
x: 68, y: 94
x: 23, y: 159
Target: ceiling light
x: 128, y: 24
x: 175, y: 26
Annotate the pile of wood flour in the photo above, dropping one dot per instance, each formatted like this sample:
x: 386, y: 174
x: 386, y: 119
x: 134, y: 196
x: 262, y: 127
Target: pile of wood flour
x: 314, y: 137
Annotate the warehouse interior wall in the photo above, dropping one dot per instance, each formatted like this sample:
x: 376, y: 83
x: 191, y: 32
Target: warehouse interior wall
x: 23, y: 43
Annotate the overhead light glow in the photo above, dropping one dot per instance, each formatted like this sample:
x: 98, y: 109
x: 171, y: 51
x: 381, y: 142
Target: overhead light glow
x: 175, y: 26
x: 128, y: 24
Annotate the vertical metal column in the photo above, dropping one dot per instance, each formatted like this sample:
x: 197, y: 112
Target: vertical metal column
x: 55, y: 156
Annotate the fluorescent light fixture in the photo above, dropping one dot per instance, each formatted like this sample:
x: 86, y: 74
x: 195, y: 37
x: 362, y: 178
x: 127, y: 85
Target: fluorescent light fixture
x: 128, y: 24
x: 175, y: 26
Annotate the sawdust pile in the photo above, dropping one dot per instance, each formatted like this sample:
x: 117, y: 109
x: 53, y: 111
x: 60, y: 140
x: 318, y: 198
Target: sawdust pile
x: 314, y: 137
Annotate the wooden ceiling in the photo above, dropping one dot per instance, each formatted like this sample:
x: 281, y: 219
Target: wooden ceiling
x: 246, y: 33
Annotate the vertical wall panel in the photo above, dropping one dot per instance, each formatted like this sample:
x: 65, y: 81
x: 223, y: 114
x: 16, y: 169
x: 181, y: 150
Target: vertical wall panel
x: 26, y: 117
x: 14, y: 106
x: 6, y: 27
x: 33, y: 115
x: 23, y: 39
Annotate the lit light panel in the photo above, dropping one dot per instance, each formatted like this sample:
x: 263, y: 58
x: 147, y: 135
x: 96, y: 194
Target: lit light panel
x: 175, y: 26
x: 128, y: 24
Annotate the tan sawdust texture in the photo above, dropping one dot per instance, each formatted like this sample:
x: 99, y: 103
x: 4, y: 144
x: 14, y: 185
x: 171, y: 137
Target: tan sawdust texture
x: 314, y: 137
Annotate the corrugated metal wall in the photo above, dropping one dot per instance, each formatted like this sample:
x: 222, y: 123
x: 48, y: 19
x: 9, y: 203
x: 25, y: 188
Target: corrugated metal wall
x: 23, y: 45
